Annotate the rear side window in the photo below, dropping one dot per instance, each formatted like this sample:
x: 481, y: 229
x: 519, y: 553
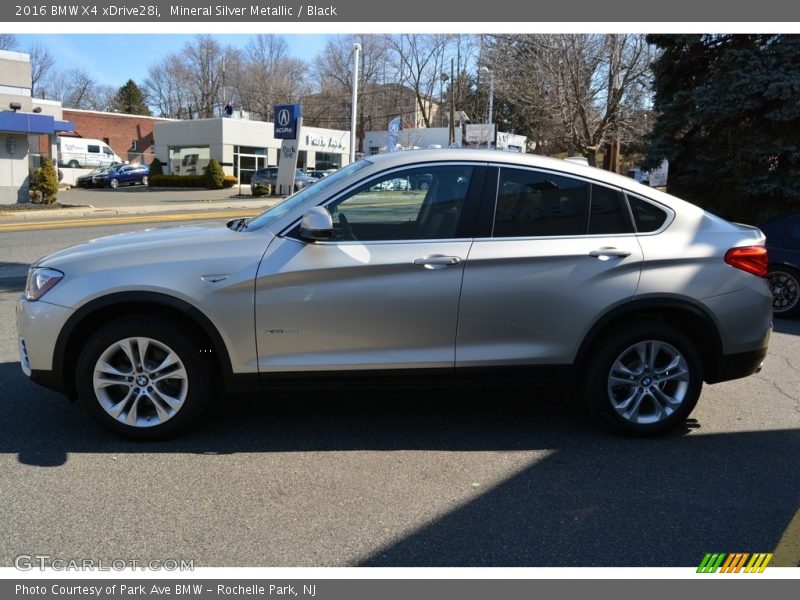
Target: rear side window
x: 91, y: 148
x: 609, y: 214
x: 647, y: 216
x: 535, y: 203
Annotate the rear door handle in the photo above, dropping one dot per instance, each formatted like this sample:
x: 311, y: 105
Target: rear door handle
x: 437, y: 261
x: 606, y: 253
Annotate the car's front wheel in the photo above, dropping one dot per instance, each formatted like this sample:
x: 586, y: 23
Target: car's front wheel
x: 145, y: 180
x: 114, y: 183
x: 784, y: 283
x: 142, y: 377
x: 643, y: 379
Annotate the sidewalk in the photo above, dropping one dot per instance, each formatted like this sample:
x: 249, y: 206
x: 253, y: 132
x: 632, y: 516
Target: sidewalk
x: 83, y: 205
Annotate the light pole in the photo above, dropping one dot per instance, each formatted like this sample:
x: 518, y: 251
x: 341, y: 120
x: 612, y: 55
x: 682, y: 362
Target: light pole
x: 491, y: 104
x: 356, y: 51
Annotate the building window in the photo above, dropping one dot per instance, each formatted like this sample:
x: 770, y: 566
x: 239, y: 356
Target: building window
x: 106, y: 141
x: 134, y: 146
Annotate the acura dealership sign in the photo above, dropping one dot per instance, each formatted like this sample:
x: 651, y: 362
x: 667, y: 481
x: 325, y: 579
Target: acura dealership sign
x: 286, y: 116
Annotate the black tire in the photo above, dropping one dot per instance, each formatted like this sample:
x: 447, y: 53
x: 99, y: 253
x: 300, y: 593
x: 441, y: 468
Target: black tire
x: 73, y: 164
x: 784, y: 283
x: 194, y: 387
x: 114, y: 183
x: 601, y: 393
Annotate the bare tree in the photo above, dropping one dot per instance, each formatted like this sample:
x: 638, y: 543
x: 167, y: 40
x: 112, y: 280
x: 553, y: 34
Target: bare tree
x: 332, y: 68
x: 8, y: 41
x: 76, y: 88
x: 581, y: 89
x: 41, y: 63
x: 168, y: 93
x: 265, y: 74
x: 421, y: 59
x: 188, y: 84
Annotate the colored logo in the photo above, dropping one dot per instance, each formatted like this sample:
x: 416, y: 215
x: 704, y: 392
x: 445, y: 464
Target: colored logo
x: 287, y: 121
x: 736, y: 562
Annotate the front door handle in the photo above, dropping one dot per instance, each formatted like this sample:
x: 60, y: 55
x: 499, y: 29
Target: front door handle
x: 606, y: 253
x: 437, y: 261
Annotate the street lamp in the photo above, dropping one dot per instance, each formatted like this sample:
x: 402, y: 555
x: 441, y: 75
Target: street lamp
x: 491, y: 103
x: 356, y: 51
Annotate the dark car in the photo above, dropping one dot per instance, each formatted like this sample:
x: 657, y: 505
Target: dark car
x: 269, y: 176
x: 783, y: 246
x: 87, y: 181
x: 122, y: 175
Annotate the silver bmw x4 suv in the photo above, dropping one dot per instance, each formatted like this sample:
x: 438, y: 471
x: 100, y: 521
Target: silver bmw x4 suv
x: 505, y: 266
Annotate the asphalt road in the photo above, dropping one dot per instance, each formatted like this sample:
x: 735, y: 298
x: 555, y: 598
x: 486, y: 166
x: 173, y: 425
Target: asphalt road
x: 413, y: 477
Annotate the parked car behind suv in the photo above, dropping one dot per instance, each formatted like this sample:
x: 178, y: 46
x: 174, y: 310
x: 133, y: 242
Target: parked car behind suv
x: 783, y: 244
x: 87, y: 181
x: 269, y: 176
x: 508, y: 267
x: 122, y: 175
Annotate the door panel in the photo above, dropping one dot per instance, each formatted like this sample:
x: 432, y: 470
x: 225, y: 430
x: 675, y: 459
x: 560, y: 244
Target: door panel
x: 532, y: 301
x: 353, y: 305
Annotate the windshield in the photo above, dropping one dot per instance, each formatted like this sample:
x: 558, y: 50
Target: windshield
x: 295, y: 200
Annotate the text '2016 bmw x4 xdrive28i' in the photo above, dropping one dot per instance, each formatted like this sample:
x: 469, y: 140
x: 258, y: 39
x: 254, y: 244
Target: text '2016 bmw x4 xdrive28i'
x: 503, y: 264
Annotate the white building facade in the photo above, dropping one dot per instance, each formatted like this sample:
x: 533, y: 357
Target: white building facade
x: 242, y: 146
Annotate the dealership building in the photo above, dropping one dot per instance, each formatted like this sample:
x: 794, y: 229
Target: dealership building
x: 242, y: 146
x: 24, y: 123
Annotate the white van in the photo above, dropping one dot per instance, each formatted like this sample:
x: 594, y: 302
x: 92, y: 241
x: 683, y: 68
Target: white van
x: 85, y: 153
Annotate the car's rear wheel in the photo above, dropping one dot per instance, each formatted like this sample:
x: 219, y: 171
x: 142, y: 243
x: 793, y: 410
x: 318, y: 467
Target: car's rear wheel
x: 143, y: 378
x: 784, y: 283
x: 73, y: 164
x: 114, y: 183
x: 643, y: 379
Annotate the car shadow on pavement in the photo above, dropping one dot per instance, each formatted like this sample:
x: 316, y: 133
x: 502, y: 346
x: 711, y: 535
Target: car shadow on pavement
x: 12, y: 276
x: 591, y: 498
x: 789, y: 326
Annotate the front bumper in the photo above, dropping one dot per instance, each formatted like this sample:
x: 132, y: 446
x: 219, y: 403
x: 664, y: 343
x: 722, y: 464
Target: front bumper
x: 38, y: 326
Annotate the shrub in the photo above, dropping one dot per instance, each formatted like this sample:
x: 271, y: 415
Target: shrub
x: 262, y: 190
x: 156, y: 168
x: 189, y: 181
x: 45, y: 180
x: 214, y: 176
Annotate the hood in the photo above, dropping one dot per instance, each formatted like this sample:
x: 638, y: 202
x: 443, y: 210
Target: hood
x: 153, y: 246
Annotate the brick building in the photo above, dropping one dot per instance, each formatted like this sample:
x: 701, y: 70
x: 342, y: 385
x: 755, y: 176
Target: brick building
x: 129, y: 136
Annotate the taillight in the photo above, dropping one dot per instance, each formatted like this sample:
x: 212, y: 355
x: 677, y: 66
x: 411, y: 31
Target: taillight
x: 752, y: 259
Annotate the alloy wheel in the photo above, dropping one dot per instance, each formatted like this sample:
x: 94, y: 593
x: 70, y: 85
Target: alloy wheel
x: 648, y: 382
x: 140, y: 382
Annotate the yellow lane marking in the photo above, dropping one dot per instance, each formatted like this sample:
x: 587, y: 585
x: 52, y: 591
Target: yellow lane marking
x: 122, y: 220
x: 787, y: 552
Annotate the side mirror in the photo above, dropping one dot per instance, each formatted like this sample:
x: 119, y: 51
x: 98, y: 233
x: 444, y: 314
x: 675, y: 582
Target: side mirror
x: 316, y: 224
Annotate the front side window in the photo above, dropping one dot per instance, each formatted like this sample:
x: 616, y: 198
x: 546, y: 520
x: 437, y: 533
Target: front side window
x: 410, y: 204
x: 536, y: 203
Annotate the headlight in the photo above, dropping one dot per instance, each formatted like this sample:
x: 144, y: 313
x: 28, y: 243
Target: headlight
x: 40, y: 280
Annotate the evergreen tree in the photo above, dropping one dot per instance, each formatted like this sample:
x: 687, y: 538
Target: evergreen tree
x: 728, y: 121
x: 131, y: 100
x: 214, y: 176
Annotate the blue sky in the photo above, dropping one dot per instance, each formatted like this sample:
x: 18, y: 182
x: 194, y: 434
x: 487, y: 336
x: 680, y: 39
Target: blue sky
x: 113, y: 59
